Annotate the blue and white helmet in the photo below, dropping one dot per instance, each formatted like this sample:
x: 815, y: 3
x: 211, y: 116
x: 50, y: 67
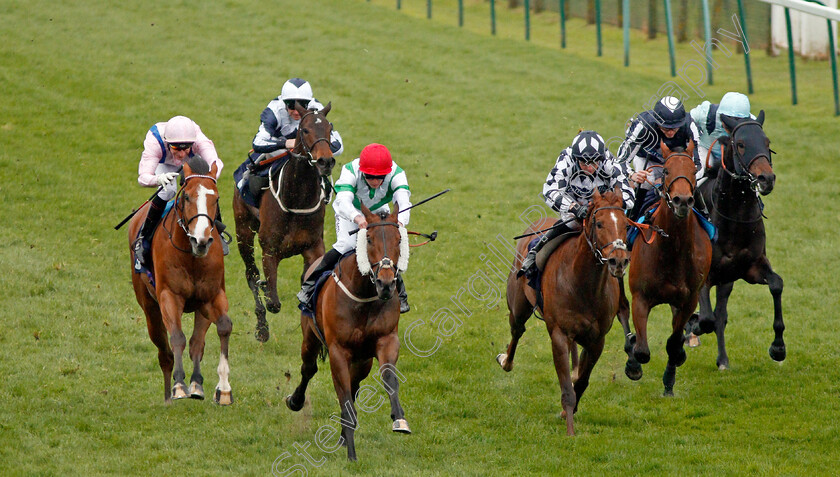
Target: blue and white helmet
x: 296, y: 88
x: 669, y: 113
x: 589, y: 146
x: 734, y: 104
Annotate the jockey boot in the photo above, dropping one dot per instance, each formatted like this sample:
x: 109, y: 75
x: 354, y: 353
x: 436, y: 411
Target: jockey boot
x: 404, y: 306
x: 529, y: 265
x: 327, y: 263
x: 220, y: 226
x: 143, y: 246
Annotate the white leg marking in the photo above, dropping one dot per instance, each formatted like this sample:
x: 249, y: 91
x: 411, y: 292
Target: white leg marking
x: 224, y: 373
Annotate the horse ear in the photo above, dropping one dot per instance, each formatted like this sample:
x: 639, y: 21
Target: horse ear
x: 214, y: 169
x: 690, y: 149
x: 187, y: 170
x: 760, y: 117
x: 327, y: 108
x: 369, y: 216
x: 728, y: 122
x: 665, y: 151
x: 300, y: 109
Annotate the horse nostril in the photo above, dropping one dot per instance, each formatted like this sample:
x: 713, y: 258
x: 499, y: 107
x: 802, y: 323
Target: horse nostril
x: 612, y: 262
x: 690, y: 202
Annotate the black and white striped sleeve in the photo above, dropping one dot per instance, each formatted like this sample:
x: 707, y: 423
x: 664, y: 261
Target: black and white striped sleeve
x: 557, y: 181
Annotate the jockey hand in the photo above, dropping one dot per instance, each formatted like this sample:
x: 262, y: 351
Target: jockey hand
x: 290, y: 143
x: 360, y: 221
x: 639, y: 177
x: 578, y: 211
x: 166, y: 178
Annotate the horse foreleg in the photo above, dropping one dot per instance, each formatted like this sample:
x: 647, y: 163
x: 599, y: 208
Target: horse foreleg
x: 340, y: 367
x: 721, y: 317
x: 387, y: 352
x: 270, y: 260
x: 765, y: 273
x: 560, y: 351
x: 632, y: 368
x: 641, y: 310
x: 171, y: 307
x: 157, y: 332
x: 309, y: 349
x: 674, y: 345
x: 202, y: 323
x: 520, y: 312
x: 224, y: 327
x: 245, y: 233
x: 588, y: 357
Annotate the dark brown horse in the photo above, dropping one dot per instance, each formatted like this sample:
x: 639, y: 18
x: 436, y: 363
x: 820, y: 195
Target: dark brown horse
x: 670, y: 269
x: 580, y: 289
x: 290, y: 220
x: 357, y: 316
x: 189, y: 274
x: 740, y: 252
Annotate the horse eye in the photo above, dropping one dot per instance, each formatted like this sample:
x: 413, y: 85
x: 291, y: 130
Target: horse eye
x: 740, y: 145
x: 599, y: 225
x: 305, y: 131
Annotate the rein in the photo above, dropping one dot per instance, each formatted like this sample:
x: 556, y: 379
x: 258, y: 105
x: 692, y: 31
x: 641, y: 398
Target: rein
x: 666, y: 192
x: 180, y: 211
x: 616, y: 244
x: 372, y: 270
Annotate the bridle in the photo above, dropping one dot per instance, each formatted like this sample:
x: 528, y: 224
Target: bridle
x: 666, y: 189
x: 385, y: 262
x: 739, y: 159
x: 617, y: 244
x: 179, y: 209
x: 306, y: 156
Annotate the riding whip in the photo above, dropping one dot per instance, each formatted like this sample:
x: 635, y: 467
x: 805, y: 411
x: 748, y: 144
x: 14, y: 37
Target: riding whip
x: 134, y: 212
x: 556, y: 224
x: 415, y: 205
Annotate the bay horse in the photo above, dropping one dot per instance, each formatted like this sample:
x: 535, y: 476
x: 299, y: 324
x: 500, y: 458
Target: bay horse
x: 189, y: 276
x: 670, y: 269
x: 356, y: 319
x: 290, y: 219
x: 580, y: 294
x: 740, y: 252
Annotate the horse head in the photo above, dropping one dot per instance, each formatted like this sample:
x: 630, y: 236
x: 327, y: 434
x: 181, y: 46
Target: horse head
x: 748, y: 149
x: 313, y: 139
x: 679, y: 179
x: 606, y: 226
x: 196, y: 204
x: 382, y: 251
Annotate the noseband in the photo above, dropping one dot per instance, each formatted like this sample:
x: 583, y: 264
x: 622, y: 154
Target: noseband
x: 385, y: 262
x: 747, y: 175
x: 617, y: 244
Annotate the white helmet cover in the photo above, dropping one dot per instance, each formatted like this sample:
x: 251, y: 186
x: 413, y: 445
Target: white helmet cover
x: 179, y: 129
x: 734, y: 104
x: 296, y: 88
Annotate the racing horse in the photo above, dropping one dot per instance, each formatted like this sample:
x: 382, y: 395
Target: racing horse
x: 736, y: 210
x: 356, y: 318
x: 290, y: 219
x: 189, y: 276
x: 670, y: 269
x: 580, y: 289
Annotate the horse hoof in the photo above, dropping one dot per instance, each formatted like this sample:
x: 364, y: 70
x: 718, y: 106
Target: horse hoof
x: 706, y: 325
x: 778, y: 353
x: 633, y: 371
x: 274, y: 308
x: 668, y: 393
x: 261, y: 333
x: 501, y: 358
x: 179, y: 391
x: 223, y: 398
x: 722, y: 367
x: 401, y: 426
x: 196, y: 391
x: 692, y: 340
x: 291, y: 405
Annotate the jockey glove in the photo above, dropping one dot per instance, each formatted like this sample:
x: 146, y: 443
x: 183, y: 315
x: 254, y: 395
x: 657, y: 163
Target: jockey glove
x: 578, y: 211
x: 164, y: 179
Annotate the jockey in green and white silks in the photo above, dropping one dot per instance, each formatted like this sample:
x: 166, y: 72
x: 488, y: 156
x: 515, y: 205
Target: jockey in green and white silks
x: 374, y: 180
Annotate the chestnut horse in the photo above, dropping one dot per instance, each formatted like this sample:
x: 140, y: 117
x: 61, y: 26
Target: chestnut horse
x: 290, y: 220
x: 670, y: 269
x: 189, y: 274
x: 356, y: 319
x: 580, y: 294
x: 740, y: 252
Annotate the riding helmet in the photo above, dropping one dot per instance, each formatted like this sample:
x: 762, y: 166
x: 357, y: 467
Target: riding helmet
x: 296, y: 88
x: 588, y: 146
x: 669, y: 113
x: 179, y: 129
x: 375, y: 160
x: 735, y: 105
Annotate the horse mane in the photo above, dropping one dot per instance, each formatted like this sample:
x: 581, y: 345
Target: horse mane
x: 199, y: 165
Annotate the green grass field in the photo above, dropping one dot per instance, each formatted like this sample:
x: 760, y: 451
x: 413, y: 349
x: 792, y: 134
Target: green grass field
x: 80, y: 386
